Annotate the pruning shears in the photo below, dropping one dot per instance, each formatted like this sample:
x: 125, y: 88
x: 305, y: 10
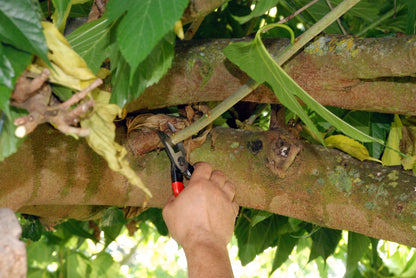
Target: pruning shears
x: 179, y: 166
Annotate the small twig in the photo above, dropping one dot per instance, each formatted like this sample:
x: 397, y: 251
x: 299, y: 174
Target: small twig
x: 247, y: 88
x: 191, y: 31
x: 80, y: 95
x: 338, y: 20
x: 284, y: 20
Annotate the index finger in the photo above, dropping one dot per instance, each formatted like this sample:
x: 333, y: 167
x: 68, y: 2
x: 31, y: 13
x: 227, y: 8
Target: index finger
x: 202, y: 170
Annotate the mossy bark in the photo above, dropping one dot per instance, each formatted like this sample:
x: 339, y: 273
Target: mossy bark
x: 372, y: 74
x: 56, y: 177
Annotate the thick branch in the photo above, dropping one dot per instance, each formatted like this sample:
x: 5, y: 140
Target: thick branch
x: 360, y: 74
x: 64, y: 178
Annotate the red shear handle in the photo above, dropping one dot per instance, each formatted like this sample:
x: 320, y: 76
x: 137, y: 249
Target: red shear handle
x: 177, y: 187
x: 177, y: 180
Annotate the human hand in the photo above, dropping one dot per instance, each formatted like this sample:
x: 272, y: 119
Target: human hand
x: 204, y: 212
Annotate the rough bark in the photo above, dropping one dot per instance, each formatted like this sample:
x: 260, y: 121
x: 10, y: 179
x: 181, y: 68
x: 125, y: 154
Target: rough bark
x: 375, y: 74
x: 56, y: 177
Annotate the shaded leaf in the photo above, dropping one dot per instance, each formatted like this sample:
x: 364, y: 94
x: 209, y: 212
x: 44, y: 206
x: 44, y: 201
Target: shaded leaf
x: 284, y: 249
x: 252, y: 240
x: 155, y: 216
x: 325, y: 241
x: 357, y: 245
x: 20, y: 26
x: 411, y: 17
x: 111, y: 224
x: 74, y: 228
x: 145, y: 23
x: 90, y: 41
x: 350, y: 146
x: 32, y: 228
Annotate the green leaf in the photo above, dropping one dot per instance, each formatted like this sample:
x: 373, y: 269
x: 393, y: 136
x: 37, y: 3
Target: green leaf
x: 32, y: 228
x: 325, y: 241
x: 75, y: 228
x: 284, y: 249
x: 76, y: 266
x: 259, y: 217
x: 104, y: 266
x: 357, y: 245
x: 252, y: 240
x: 6, y: 69
x: 254, y: 59
x: 111, y: 223
x: 20, y: 26
x: 9, y: 143
x: 112, y: 216
x: 144, y: 25
x: 62, y: 8
x: 411, y: 17
x: 150, y: 71
x: 91, y: 40
x: 260, y: 8
x: 155, y: 216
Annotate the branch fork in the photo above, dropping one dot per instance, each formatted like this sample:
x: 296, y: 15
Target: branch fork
x: 35, y: 95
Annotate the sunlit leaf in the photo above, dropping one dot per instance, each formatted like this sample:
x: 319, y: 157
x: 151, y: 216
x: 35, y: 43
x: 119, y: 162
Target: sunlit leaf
x: 350, y: 146
x: 62, y: 8
x: 145, y: 23
x: 90, y: 42
x: 390, y: 156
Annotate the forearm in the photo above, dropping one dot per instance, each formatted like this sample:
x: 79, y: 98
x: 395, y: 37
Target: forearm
x: 206, y: 261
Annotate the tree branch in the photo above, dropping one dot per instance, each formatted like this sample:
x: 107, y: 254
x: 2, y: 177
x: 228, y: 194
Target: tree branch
x: 374, y: 74
x: 64, y: 178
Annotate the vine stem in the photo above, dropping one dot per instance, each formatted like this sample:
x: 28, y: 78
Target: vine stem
x: 251, y: 85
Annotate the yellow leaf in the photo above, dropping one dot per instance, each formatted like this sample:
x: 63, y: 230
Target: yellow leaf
x: 178, y: 29
x: 69, y: 69
x: 391, y: 156
x: 350, y: 146
x: 101, y: 138
x: 408, y: 144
